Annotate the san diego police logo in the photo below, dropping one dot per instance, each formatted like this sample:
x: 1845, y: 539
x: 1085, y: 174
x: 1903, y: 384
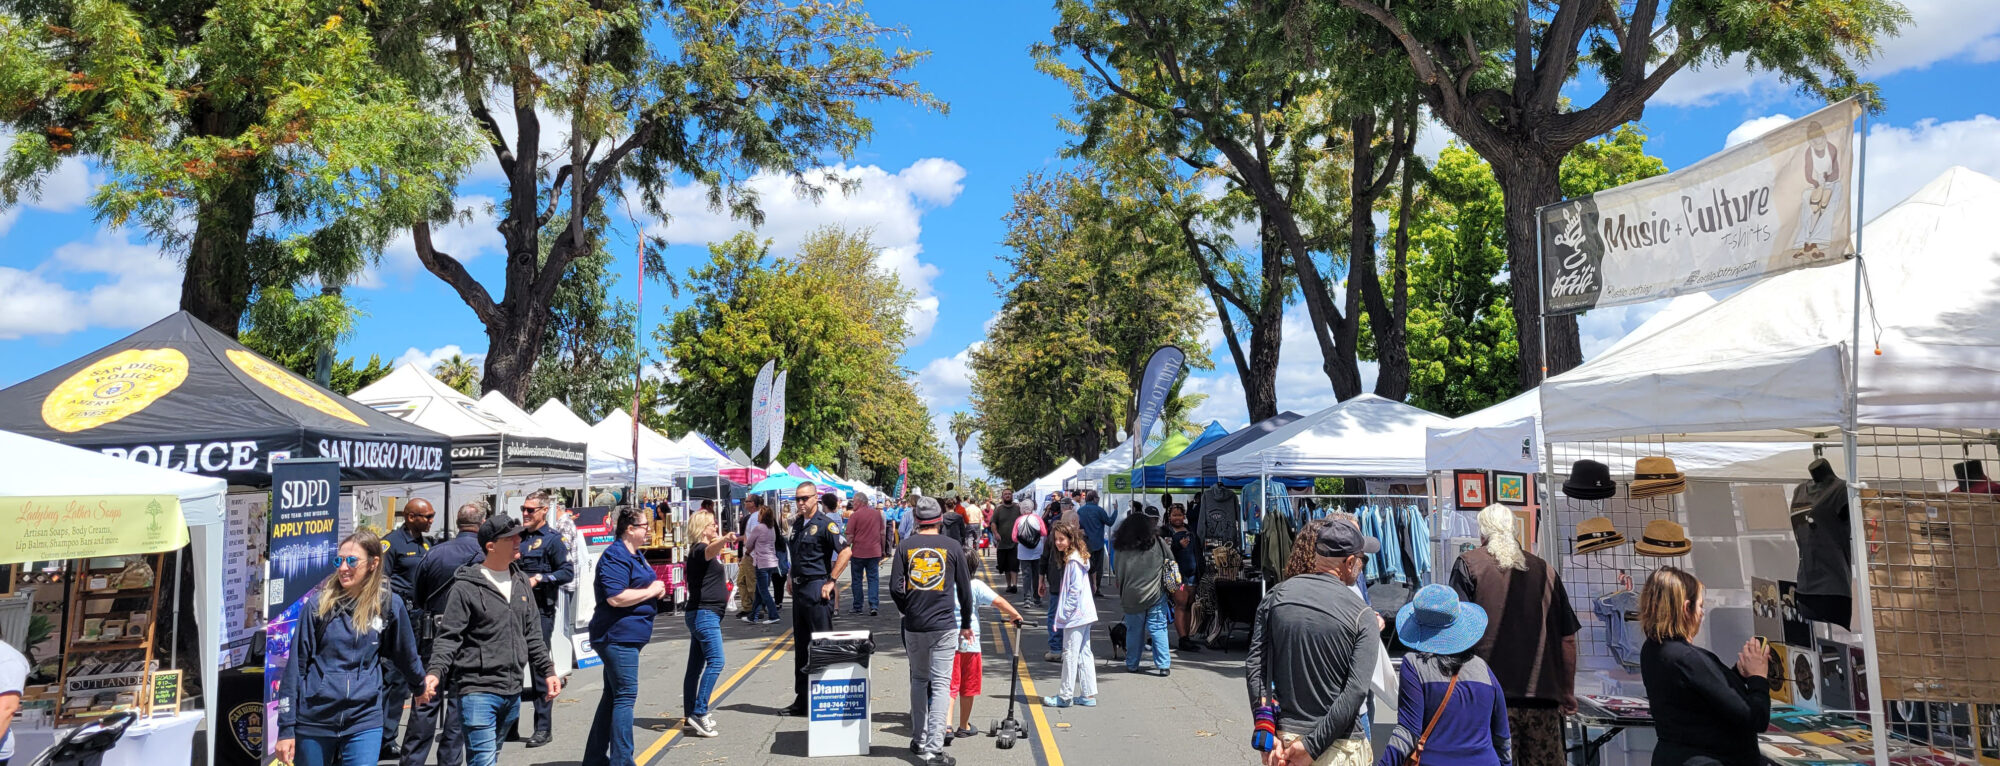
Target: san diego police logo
x: 927, y: 569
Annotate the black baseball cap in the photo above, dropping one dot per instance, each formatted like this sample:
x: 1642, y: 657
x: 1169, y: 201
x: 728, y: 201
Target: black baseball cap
x: 499, y: 526
x: 1340, y: 539
x: 927, y: 509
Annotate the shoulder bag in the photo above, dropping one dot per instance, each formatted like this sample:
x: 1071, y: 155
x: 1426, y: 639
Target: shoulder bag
x: 1417, y: 753
x: 1170, y: 571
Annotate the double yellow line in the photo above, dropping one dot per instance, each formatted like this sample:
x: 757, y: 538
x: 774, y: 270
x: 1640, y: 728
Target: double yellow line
x: 772, y: 651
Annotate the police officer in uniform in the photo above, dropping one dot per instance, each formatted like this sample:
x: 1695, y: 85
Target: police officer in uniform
x: 819, y: 557
x: 404, y: 550
x: 440, y: 719
x: 545, y: 560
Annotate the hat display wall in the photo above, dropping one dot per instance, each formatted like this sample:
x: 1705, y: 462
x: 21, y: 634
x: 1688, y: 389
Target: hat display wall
x: 1596, y: 534
x: 1663, y: 538
x: 1657, y: 477
x: 1589, y: 480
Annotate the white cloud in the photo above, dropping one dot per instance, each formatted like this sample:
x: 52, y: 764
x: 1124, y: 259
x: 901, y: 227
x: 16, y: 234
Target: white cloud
x: 890, y: 204
x: 1753, y: 128
x: 468, y: 235
x: 425, y: 360
x: 945, y: 383
x: 1939, y: 30
x: 1902, y: 159
x: 1301, y: 384
x: 134, y: 285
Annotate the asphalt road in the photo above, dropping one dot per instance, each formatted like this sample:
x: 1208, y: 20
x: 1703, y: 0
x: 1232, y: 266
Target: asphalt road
x: 1197, y: 715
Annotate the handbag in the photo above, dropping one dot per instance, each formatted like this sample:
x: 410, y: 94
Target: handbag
x: 1170, y: 571
x: 1417, y: 753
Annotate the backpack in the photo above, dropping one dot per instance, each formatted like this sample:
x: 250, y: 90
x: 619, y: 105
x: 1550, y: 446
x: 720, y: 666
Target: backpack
x: 1026, y: 533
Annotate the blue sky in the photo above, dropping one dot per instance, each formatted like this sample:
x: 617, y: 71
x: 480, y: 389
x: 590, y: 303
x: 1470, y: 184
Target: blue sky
x: 934, y: 187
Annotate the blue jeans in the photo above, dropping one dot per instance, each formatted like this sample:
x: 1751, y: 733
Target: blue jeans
x: 872, y: 568
x: 704, y: 661
x: 488, y: 717
x: 361, y: 748
x: 610, y: 742
x: 1148, y: 626
x: 767, y: 578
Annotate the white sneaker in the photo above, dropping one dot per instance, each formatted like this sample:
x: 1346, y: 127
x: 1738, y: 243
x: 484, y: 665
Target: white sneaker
x: 699, y: 727
x: 709, y: 721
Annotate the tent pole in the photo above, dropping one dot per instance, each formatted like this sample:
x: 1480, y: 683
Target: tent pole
x: 174, y: 633
x: 1542, y: 326
x: 1851, y: 437
x: 1263, y: 492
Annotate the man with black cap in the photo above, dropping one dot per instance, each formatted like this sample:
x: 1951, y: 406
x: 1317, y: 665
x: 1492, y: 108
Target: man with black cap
x: 819, y: 556
x: 1009, y: 552
x: 1312, y: 649
x: 490, y: 628
x: 929, y: 581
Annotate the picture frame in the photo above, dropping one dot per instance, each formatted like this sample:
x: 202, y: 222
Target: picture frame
x: 1511, y: 488
x: 1471, y: 490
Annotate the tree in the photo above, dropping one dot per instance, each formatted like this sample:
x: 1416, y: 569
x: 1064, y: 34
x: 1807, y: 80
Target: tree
x: 589, y: 354
x: 291, y: 329
x: 1464, y: 347
x: 458, y: 373
x: 1497, y: 72
x: 256, y: 140
x: 834, y: 320
x: 963, y: 425
x: 708, y: 90
x: 1229, y: 89
x: 1083, y: 308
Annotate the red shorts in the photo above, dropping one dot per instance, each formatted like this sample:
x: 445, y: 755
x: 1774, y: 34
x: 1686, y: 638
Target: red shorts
x: 965, y: 673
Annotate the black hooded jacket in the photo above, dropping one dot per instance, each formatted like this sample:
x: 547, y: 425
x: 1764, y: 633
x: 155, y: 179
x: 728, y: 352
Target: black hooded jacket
x: 484, y: 639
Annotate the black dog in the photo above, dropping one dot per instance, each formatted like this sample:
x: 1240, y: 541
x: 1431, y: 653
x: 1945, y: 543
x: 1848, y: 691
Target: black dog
x: 1118, y: 641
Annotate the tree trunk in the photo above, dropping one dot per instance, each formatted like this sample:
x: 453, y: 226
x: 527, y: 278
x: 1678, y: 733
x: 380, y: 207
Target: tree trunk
x: 1392, y: 354
x: 1530, y: 182
x: 216, y: 283
x: 512, y: 346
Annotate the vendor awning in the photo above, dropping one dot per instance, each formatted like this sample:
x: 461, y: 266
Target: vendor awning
x: 483, y: 443
x: 177, y: 394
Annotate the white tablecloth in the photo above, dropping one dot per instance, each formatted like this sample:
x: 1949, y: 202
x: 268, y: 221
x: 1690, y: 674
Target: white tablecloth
x: 149, y: 742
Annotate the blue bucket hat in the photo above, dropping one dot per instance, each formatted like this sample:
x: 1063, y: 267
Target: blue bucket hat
x: 1436, y: 621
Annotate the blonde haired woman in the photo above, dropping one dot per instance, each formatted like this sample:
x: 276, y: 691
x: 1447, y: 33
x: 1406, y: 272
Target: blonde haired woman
x: 1530, y: 642
x: 329, y: 701
x: 708, y: 593
x: 1707, y: 713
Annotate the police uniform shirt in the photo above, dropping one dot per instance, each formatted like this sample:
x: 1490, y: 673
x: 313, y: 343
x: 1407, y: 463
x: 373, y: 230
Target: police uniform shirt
x: 544, y: 553
x: 403, y: 552
x: 816, y: 542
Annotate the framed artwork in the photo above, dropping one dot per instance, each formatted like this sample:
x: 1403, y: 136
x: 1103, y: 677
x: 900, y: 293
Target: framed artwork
x: 1510, y: 488
x: 1472, y: 492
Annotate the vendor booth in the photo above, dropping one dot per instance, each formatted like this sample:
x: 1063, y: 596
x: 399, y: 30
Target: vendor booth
x: 1198, y: 463
x: 95, y: 604
x: 1868, y: 559
x: 489, y: 455
x: 1041, y: 488
x: 1092, y: 475
x: 1153, y: 475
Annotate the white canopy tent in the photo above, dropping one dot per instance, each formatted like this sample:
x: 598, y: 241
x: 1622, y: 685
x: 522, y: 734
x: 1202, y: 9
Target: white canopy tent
x: 1771, y: 363
x: 488, y: 451
x: 660, y: 459
x: 1115, y: 460
x: 604, y: 464
x: 702, y: 460
x: 1040, y: 488
x: 1363, y: 436
x: 38, y: 468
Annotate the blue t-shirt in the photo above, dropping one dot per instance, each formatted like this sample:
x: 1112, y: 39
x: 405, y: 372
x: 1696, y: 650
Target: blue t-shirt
x: 1620, y: 614
x: 1092, y: 518
x: 619, y: 570
x: 982, y: 596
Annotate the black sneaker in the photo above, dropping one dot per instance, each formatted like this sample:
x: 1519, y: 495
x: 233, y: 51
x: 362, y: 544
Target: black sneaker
x: 1187, y: 645
x: 872, y: 612
x: 940, y: 759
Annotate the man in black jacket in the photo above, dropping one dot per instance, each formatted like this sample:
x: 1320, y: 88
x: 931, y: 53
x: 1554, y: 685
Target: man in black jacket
x: 545, y: 559
x: 433, y: 580
x: 1008, y: 553
x: 929, y: 573
x: 488, y: 631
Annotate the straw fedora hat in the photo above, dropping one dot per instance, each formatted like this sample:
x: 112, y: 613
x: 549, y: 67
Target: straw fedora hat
x: 1663, y: 538
x: 1657, y: 476
x: 1596, y: 534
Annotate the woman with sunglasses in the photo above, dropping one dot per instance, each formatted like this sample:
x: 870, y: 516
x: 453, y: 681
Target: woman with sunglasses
x: 329, y: 701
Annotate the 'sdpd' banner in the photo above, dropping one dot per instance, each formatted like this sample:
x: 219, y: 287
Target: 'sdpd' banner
x: 1772, y: 204
x: 304, y: 531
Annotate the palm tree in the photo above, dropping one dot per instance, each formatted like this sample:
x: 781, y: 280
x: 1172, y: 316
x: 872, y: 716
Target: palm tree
x: 458, y: 372
x: 1176, y: 415
x: 981, y: 488
x: 963, y: 426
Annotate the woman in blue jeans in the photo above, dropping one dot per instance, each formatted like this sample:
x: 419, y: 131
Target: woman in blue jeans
x: 628, y: 597
x: 1141, y: 558
x: 762, y: 546
x: 330, y: 697
x: 708, y: 596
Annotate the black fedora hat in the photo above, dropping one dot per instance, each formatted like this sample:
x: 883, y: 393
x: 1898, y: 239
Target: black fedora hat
x: 1589, y: 480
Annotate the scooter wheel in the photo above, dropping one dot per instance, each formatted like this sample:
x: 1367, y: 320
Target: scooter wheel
x: 1006, y: 741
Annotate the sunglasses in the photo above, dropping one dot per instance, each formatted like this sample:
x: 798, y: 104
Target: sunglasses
x: 421, y: 515
x: 347, y: 562
x: 531, y: 509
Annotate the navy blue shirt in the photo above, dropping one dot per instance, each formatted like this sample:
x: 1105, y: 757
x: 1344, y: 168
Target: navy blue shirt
x: 544, y: 554
x: 816, y: 542
x: 441, y: 565
x: 402, y: 552
x: 1092, y: 518
x: 620, y: 570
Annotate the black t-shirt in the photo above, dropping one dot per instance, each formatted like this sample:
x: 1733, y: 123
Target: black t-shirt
x: 707, y: 588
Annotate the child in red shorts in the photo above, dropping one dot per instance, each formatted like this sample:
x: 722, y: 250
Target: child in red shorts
x: 966, y: 667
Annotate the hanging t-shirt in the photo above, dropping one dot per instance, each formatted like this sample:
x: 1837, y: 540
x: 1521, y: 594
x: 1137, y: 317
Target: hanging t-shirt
x: 1217, y: 510
x: 1825, y: 536
x: 1620, y: 614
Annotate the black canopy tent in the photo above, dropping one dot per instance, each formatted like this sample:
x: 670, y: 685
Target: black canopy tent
x: 177, y: 394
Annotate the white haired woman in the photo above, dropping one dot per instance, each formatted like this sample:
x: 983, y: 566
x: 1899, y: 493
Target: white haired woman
x: 1530, y: 642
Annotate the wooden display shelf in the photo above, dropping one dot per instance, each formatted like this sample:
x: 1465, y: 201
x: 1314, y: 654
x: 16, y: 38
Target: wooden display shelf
x: 74, y: 645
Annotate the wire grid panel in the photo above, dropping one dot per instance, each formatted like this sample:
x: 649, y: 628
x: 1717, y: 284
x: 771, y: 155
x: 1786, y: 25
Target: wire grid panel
x: 1932, y: 519
x: 1593, y: 575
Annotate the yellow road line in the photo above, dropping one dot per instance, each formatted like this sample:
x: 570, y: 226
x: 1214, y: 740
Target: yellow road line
x: 652, y: 751
x: 1043, y: 732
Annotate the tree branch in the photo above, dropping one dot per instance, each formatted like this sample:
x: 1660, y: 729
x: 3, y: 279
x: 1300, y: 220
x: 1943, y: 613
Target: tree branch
x: 475, y: 101
x: 1111, y: 83
x: 453, y: 273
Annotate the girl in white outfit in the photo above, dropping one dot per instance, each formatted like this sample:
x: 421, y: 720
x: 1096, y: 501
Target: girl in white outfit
x: 1075, y: 611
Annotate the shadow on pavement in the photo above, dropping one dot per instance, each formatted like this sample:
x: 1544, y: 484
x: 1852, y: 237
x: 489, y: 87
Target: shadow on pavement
x: 758, y: 710
x: 656, y: 723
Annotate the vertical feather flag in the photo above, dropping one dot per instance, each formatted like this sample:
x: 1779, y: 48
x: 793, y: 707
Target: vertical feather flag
x: 778, y: 414
x: 760, y: 410
x: 1161, y: 372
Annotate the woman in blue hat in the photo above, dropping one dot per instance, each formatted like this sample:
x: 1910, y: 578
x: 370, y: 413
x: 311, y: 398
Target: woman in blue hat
x: 1451, y: 710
